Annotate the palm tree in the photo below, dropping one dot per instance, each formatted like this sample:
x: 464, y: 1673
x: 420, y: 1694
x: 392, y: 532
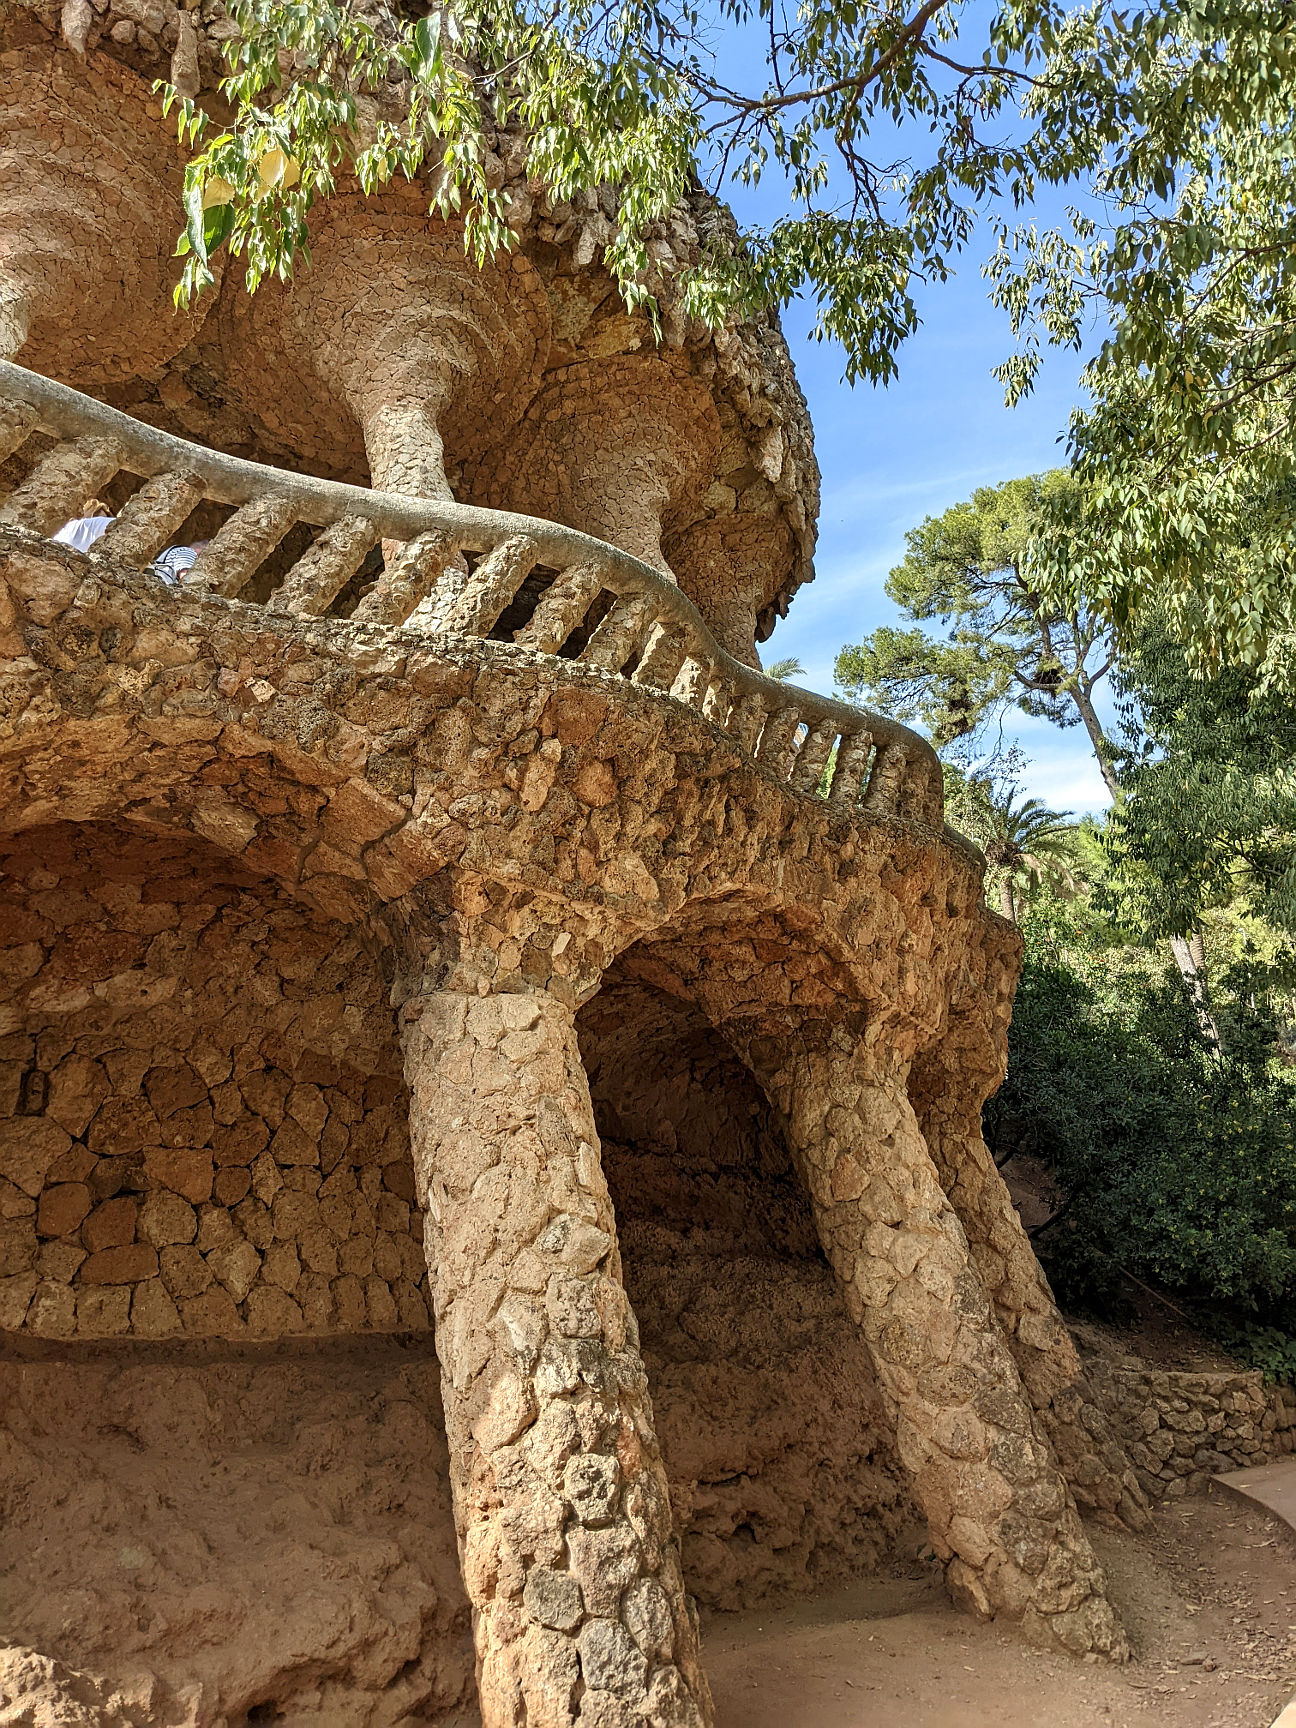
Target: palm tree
x: 785, y: 669
x: 1033, y: 845
x: 1025, y: 843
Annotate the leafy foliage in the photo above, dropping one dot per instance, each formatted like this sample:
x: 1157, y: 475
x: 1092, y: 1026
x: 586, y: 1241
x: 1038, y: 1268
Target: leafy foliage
x: 1178, y: 1165
x: 892, y: 131
x: 789, y: 667
x: 632, y: 95
x: 1025, y: 843
x: 1209, y: 813
x: 1006, y: 643
x: 1181, y: 121
x: 597, y: 104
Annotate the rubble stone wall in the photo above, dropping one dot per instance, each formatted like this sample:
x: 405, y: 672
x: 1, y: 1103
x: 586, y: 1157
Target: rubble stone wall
x: 203, y: 1134
x: 203, y: 1124
x: 1183, y: 1428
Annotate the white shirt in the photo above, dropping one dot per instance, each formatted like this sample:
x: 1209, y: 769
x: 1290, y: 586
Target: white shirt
x: 82, y: 532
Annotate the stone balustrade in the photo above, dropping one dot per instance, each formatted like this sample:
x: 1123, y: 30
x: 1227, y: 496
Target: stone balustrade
x: 448, y: 569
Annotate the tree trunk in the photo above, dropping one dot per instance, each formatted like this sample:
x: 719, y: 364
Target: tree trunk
x: 1190, y: 955
x: 1006, y: 905
x: 1102, y: 747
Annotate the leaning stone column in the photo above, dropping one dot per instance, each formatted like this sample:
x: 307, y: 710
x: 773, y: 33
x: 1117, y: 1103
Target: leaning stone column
x: 948, y: 1085
x: 579, y: 1608
x: 1095, y: 1465
x: 998, y: 1511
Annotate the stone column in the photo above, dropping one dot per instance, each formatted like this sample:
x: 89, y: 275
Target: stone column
x: 396, y: 332
x: 580, y: 1613
x: 998, y: 1511
x: 1100, y: 1474
x: 91, y: 178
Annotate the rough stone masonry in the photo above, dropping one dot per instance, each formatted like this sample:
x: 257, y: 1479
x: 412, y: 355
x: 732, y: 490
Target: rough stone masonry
x: 476, y: 990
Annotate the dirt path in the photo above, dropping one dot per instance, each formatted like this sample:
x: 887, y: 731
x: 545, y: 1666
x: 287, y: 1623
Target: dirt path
x: 1210, y: 1600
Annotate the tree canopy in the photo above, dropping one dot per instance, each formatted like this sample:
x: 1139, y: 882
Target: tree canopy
x: 1183, y: 258
x: 1209, y: 812
x: 1007, y: 644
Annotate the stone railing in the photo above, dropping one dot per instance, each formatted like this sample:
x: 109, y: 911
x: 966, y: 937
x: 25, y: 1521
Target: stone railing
x: 447, y: 569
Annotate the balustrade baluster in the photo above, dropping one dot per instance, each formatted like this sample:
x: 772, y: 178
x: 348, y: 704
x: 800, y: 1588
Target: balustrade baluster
x: 883, y: 792
x: 61, y: 483
x: 848, y: 775
x: 491, y: 586
x: 416, y: 571
x: 621, y: 632
x: 431, y: 614
x: 562, y: 607
x: 230, y: 560
x: 718, y: 701
x: 662, y: 658
x: 692, y: 681
x: 778, y: 741
x: 922, y: 792
x: 746, y: 719
x: 812, y: 759
x: 147, y: 521
x: 17, y: 420
x: 322, y: 572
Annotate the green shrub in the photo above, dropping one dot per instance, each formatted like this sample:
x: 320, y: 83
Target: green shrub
x: 1177, y: 1163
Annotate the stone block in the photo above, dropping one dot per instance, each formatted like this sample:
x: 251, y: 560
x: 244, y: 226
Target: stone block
x: 184, y: 1171
x: 153, y: 1314
x: 62, y: 1208
x: 28, y: 1147
x: 610, y: 1659
x: 18, y: 1243
x: 126, y: 1264
x: 103, y: 1312
x: 272, y: 1313
x: 111, y: 1225
x: 185, y: 1272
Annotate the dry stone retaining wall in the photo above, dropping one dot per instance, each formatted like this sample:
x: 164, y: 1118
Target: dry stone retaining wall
x: 202, y: 1120
x: 1183, y: 1428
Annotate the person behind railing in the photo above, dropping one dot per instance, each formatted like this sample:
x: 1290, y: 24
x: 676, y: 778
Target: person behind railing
x: 83, y: 530
x: 172, y: 564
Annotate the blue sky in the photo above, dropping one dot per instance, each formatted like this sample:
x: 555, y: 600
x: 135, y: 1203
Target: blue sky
x: 892, y: 456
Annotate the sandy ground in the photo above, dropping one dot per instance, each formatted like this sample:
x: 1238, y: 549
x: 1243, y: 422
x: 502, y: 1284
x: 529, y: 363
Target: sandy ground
x: 1209, y: 1599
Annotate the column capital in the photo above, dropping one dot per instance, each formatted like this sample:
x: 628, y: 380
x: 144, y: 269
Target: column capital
x: 477, y: 937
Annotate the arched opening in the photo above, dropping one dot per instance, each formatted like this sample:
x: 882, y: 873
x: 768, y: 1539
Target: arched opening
x: 782, y: 1472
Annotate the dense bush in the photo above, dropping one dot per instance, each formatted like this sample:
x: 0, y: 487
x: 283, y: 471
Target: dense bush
x: 1177, y: 1162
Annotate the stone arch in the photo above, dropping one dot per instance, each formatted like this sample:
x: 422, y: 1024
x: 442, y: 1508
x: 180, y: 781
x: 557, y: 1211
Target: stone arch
x: 777, y: 1486
x: 206, y: 1122
x: 974, y: 1429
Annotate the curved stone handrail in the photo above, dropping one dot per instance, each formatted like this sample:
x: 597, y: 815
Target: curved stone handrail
x: 649, y: 632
